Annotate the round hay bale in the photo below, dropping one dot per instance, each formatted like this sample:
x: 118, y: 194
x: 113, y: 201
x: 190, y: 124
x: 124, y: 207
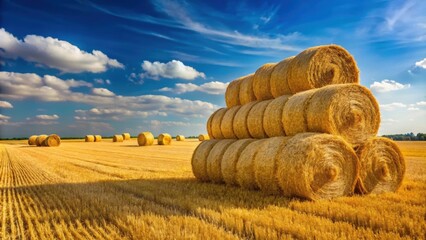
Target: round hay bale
x: 232, y: 94
x: 226, y: 125
x: 255, y: 119
x: 117, y: 138
x: 382, y: 166
x: 32, y: 140
x: 40, y: 139
x: 52, y: 140
x: 216, y: 122
x: 126, y: 136
x: 321, y: 66
x: 240, y: 121
x: 164, y: 139
x: 317, y: 166
x: 294, y: 113
x: 246, y: 90
x: 89, y: 138
x: 265, y: 164
x: 261, y: 82
x: 230, y: 159
x: 203, y: 137
x: 145, y: 139
x: 272, y: 117
x: 98, y: 138
x: 279, y: 78
x: 214, y: 160
x: 180, y: 138
x: 209, y: 124
x: 199, y: 159
x: 245, y: 165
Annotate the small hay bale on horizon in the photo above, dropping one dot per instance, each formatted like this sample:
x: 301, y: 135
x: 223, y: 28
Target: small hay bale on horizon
x: 98, y: 138
x: 89, y: 138
x: 32, y: 140
x: 53, y: 140
x: 126, y: 136
x: 164, y: 139
x: 180, y: 138
x: 203, y: 137
x: 145, y: 139
x: 117, y: 138
x: 40, y: 139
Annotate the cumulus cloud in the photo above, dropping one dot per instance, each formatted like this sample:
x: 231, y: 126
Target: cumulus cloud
x: 413, y: 109
x: 47, y: 117
x: 157, y: 123
x: 172, y: 69
x: 392, y: 106
x: 421, y: 63
x: 113, y: 113
x: 102, y: 81
x: 54, y: 53
x: 388, y: 86
x: 102, y: 92
x: 4, y: 120
x: 214, y: 88
x: 4, y: 104
x: 421, y: 103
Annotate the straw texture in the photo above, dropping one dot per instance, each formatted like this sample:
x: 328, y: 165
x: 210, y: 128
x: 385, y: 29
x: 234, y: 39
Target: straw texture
x: 232, y: 94
x: 240, y: 121
x: 117, y: 138
x: 52, y: 140
x: 145, y: 139
x: 98, y: 138
x: 279, y: 78
x: 246, y: 90
x: 214, y: 160
x: 199, y: 159
x: 226, y: 125
x: 40, y: 139
x: 272, y: 117
x: 89, y: 138
x: 126, y: 136
x: 216, y: 122
x: 255, y: 119
x: 164, y: 139
x: 32, y: 140
x: 203, y: 137
x: 245, y: 165
x: 261, y: 82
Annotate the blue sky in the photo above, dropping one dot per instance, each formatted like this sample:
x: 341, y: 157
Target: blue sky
x: 88, y: 67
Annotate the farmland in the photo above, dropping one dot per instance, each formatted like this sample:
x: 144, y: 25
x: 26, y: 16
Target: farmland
x: 111, y: 190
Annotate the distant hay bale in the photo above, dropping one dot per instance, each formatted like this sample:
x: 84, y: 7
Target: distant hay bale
x: 317, y: 166
x: 261, y: 82
x: 255, y: 119
x: 214, y: 160
x: 164, y: 139
x: 382, y: 166
x: 272, y: 117
x: 145, y: 139
x: 246, y: 90
x: 40, y: 139
x: 203, y: 137
x: 180, y: 138
x: 347, y: 110
x: 117, y: 138
x: 89, y: 138
x: 52, y: 140
x: 232, y: 94
x: 32, y: 140
x: 199, y: 159
x: 265, y: 164
x: 240, y: 121
x: 126, y: 136
x: 226, y: 125
x: 209, y: 125
x: 215, y: 124
x: 245, y: 165
x: 279, y: 78
x: 98, y: 138
x: 230, y: 159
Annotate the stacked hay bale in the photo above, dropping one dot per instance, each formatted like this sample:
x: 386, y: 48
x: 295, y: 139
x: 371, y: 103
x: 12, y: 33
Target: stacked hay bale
x: 51, y: 140
x: 302, y: 127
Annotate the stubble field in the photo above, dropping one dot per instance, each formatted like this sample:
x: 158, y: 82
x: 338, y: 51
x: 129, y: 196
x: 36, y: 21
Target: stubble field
x: 120, y: 191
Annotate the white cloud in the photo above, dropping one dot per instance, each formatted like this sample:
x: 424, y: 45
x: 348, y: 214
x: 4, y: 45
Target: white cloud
x: 4, y: 104
x: 55, y: 53
x: 102, y: 92
x: 388, y: 86
x: 157, y: 123
x: 102, y: 81
x: 172, y: 69
x: 4, y: 117
x: 413, y: 109
x: 47, y: 117
x: 421, y: 103
x: 114, y: 114
x: 214, y: 87
x: 421, y: 63
x: 392, y: 106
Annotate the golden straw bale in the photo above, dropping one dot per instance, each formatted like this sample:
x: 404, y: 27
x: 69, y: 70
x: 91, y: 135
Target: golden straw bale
x: 317, y: 166
x: 214, y: 160
x: 203, y: 137
x: 245, y: 165
x: 164, y: 139
x: 232, y: 94
x: 126, y: 136
x: 199, y: 159
x: 279, y: 78
x: 40, y: 139
x: 230, y: 159
x: 180, y: 138
x: 255, y: 119
x: 98, y: 138
x: 117, y: 138
x: 89, y: 138
x: 240, y: 121
x: 261, y: 84
x: 226, y: 126
x: 52, y: 140
x: 246, y: 90
x: 145, y: 139
x: 272, y: 117
x: 294, y: 113
x: 382, y: 166
x: 215, y: 123
x: 320, y: 66
x: 32, y: 140
x: 209, y: 124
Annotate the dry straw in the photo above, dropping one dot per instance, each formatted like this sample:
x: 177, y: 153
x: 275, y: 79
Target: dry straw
x: 382, y: 166
x: 32, y: 140
x: 215, y: 124
x: 272, y: 123
x: 126, y: 136
x: 347, y: 110
x: 98, y: 138
x: 245, y: 165
x: 232, y: 94
x: 214, y: 160
x: 180, y: 138
x: 246, y: 90
x: 52, y: 140
x: 261, y: 82
x: 89, y: 138
x: 279, y: 78
x: 40, y: 139
x: 199, y: 159
x: 230, y: 159
x: 203, y: 137
x: 255, y: 119
x: 240, y: 121
x: 117, y: 138
x: 317, y: 166
x: 145, y: 139
x: 209, y: 124
x: 164, y: 139
x: 226, y: 125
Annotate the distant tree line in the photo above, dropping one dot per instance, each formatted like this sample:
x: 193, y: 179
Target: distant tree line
x: 407, y: 137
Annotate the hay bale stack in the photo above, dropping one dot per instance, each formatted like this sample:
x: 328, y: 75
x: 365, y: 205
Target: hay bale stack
x: 347, y: 110
x: 317, y: 166
x: 209, y: 124
x: 226, y: 125
x: 180, y: 138
x: 230, y: 159
x: 98, y: 138
x: 126, y: 136
x: 245, y: 165
x: 261, y: 82
x: 232, y: 94
x: 52, y: 140
x: 240, y: 121
x: 145, y: 139
x: 117, y: 138
x: 199, y: 159
x: 246, y: 94
x: 272, y: 117
x: 255, y: 119
x: 40, y: 139
x: 203, y: 137
x: 279, y: 78
x: 382, y: 166
x: 214, y: 160
x: 215, y: 124
x: 164, y: 139
x: 32, y: 140
x: 89, y: 138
